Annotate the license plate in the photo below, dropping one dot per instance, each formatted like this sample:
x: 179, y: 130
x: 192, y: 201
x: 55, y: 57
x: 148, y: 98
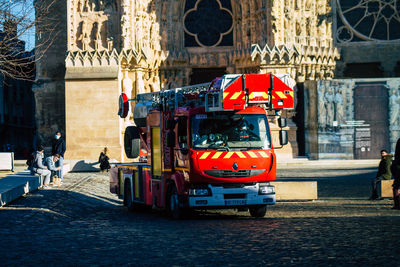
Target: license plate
x: 235, y: 202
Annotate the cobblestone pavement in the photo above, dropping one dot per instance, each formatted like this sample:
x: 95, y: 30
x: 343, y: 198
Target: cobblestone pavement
x: 81, y: 223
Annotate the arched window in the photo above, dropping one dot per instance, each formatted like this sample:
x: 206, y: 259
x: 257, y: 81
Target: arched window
x: 208, y: 23
x: 368, y: 20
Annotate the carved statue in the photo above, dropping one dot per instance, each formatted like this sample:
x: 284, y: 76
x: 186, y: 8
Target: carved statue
x: 164, y: 11
x: 394, y: 100
x: 109, y: 6
x: 260, y: 4
x: 164, y: 40
x: 80, y: 6
x: 85, y: 36
x: 98, y: 42
x: 339, y: 104
x: 93, y: 5
x: 308, y: 5
x: 222, y: 59
x: 125, y: 30
x: 308, y: 27
x: 155, y: 36
x: 321, y: 106
x: 329, y: 106
x: 127, y: 85
x: 86, y: 7
x: 140, y: 83
x: 175, y: 8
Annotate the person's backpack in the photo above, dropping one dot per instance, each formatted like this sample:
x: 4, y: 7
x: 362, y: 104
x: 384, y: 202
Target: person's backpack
x: 30, y: 161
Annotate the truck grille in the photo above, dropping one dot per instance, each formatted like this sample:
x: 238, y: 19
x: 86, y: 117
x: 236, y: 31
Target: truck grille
x: 232, y: 174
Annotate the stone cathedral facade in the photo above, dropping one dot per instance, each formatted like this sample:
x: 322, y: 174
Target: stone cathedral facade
x: 105, y: 47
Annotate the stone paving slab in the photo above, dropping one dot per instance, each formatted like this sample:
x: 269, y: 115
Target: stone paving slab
x: 14, y: 186
x: 83, y: 224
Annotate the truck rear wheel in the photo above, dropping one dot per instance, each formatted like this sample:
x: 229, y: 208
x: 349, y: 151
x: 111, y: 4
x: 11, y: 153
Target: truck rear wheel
x: 258, y: 211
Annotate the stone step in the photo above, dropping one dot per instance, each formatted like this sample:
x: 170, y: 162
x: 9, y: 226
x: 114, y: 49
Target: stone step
x: 296, y: 190
x: 333, y: 164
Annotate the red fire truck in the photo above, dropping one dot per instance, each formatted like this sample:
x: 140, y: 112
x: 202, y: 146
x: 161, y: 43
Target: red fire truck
x: 203, y: 146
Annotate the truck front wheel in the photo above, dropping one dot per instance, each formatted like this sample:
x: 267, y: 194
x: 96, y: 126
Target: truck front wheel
x: 128, y: 197
x: 174, y: 206
x: 258, y: 211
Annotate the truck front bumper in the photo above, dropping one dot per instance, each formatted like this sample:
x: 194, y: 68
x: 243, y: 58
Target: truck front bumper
x: 225, y: 196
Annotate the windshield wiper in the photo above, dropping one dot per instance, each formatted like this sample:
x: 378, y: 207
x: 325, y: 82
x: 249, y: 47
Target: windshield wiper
x: 218, y: 147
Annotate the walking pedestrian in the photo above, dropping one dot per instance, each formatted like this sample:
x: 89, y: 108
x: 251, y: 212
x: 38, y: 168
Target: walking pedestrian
x: 58, y: 147
x: 396, y: 176
x: 38, y: 166
x: 383, y: 173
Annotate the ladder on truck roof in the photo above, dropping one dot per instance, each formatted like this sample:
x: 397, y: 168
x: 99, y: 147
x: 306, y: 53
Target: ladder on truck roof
x: 229, y: 92
x: 170, y: 99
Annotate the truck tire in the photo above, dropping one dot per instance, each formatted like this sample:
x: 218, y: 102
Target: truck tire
x: 132, y: 142
x: 258, y: 211
x: 174, y: 208
x: 128, y: 197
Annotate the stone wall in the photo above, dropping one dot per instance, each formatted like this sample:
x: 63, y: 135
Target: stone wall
x: 49, y: 89
x: 91, y: 119
x: 332, y: 127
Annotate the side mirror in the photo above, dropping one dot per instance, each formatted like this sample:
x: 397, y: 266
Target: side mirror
x: 170, y: 124
x: 170, y: 139
x: 132, y: 142
x: 184, y: 151
x: 283, y: 137
x: 282, y: 122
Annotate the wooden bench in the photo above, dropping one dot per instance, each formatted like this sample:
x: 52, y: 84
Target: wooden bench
x: 385, y: 189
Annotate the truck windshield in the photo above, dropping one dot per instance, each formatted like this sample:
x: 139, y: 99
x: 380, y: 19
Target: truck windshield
x: 230, y: 131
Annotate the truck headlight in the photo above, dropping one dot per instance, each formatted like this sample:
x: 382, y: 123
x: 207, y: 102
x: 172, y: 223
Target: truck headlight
x: 266, y: 189
x: 199, y: 192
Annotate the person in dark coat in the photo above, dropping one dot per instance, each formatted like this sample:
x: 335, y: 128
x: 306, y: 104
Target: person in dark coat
x: 58, y: 147
x: 396, y: 176
x: 104, y: 160
x: 383, y: 173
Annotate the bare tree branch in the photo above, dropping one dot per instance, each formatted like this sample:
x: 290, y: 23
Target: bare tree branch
x: 20, y: 19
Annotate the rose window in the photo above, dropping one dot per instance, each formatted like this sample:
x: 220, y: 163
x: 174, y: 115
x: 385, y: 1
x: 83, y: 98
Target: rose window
x: 367, y: 20
x: 208, y: 23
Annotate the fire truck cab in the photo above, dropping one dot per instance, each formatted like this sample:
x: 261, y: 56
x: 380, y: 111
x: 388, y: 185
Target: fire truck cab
x: 203, y: 146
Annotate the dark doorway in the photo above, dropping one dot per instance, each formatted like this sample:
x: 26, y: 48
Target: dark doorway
x: 364, y: 70
x: 397, y: 70
x: 371, y: 106
x: 299, y: 119
x: 204, y: 75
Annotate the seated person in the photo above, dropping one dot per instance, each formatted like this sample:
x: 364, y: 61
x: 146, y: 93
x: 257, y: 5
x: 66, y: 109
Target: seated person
x: 104, y: 160
x: 51, y: 164
x: 383, y: 173
x: 38, y: 166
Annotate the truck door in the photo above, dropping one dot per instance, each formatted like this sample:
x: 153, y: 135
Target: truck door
x: 182, y: 149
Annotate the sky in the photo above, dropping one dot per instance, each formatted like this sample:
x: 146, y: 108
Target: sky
x: 21, y: 8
